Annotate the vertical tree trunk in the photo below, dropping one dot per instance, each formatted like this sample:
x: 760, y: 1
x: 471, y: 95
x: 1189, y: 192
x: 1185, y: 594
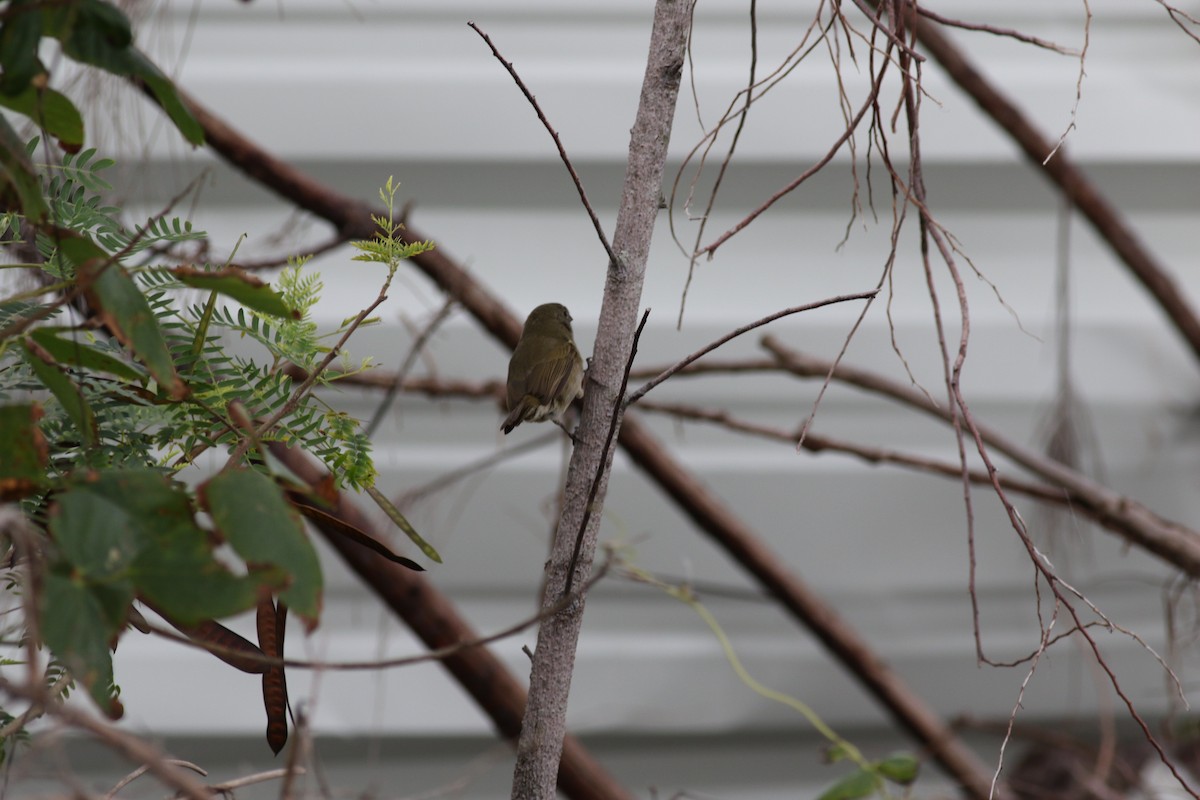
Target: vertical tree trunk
x: 544, y: 725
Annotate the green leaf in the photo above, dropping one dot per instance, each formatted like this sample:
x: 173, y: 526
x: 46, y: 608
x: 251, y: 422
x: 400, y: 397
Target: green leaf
x: 241, y: 286
x: 123, y: 310
x: 91, y: 31
x: 170, y: 560
x: 403, y: 524
x: 65, y: 390
x: 249, y: 510
x: 855, y: 785
x: 77, y: 625
x: 23, y: 454
x: 94, y: 532
x: 74, y: 351
x: 899, y: 768
x: 97, y: 33
x: 20, y: 187
x: 52, y: 111
x: 168, y: 98
x: 106, y: 20
x: 19, y: 38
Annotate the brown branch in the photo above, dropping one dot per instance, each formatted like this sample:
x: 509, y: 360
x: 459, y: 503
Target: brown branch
x: 438, y: 388
x: 260, y: 661
x: 1071, y: 180
x: 817, y: 443
x: 433, y: 618
x: 708, y: 348
x: 709, y: 514
x: 1174, y: 543
x: 996, y: 30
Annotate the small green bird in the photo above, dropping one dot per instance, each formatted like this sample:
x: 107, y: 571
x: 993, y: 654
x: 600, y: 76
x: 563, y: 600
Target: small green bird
x: 546, y: 371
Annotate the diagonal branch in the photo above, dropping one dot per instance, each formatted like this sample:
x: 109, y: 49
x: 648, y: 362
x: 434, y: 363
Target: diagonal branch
x: 1070, y: 179
x: 1175, y: 544
x: 710, y: 515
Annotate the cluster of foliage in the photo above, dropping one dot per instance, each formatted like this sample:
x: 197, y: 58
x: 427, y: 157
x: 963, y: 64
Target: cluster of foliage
x: 117, y: 387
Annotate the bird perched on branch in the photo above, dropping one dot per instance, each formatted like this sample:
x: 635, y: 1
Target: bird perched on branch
x: 545, y: 374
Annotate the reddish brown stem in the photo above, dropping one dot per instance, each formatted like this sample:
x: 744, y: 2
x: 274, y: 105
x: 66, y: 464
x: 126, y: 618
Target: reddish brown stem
x: 1070, y: 179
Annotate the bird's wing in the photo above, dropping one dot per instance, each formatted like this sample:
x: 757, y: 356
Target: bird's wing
x: 548, y: 378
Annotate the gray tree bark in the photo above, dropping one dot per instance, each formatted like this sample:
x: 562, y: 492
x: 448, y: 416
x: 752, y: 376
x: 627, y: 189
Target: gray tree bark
x: 540, y: 746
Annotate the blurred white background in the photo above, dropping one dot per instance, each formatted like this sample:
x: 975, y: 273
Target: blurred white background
x: 355, y: 91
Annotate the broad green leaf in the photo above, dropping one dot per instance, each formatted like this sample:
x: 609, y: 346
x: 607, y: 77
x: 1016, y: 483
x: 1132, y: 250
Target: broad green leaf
x: 899, y: 768
x: 90, y: 30
x: 106, y: 20
x: 52, y: 111
x: 23, y: 454
x: 98, y: 36
x: 77, y: 625
x: 248, y: 509
x: 172, y: 566
x: 855, y: 785
x: 75, y: 351
x: 240, y: 285
x: 65, y: 390
x: 168, y: 98
x: 96, y: 532
x: 402, y: 523
x: 20, y: 35
x: 124, y: 311
x: 182, y: 580
x: 20, y: 187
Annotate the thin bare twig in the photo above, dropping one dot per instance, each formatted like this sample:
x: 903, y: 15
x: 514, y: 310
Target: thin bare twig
x: 332, y: 243
x: 447, y: 479
x: 743, y: 115
x: 1134, y: 522
x: 638, y: 394
x: 562, y: 151
x: 293, y: 768
x: 132, y: 747
x: 435, y: 654
x: 414, y: 352
x: 1181, y: 18
x: 1087, y: 30
x: 711, y: 248
x: 1104, y: 217
x: 901, y: 16
x: 817, y: 443
x: 144, y: 768
x: 250, y: 780
x: 997, y: 30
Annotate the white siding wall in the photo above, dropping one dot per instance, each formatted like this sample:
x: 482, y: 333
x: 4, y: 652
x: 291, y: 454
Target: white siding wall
x: 353, y: 92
